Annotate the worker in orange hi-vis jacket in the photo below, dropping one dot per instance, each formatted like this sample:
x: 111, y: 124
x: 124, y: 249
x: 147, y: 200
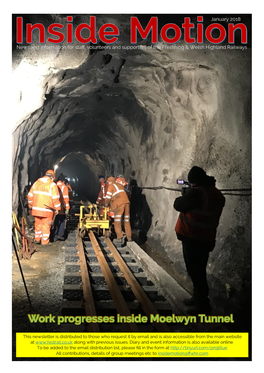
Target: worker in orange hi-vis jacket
x: 44, y: 200
x: 102, y: 194
x: 59, y: 224
x: 66, y: 182
x: 121, y: 180
x: 119, y: 202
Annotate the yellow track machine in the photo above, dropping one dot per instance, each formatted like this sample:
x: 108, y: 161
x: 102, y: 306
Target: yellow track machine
x: 92, y: 220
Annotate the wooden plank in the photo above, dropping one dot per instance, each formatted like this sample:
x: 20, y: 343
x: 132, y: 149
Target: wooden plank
x: 115, y: 292
x: 141, y: 296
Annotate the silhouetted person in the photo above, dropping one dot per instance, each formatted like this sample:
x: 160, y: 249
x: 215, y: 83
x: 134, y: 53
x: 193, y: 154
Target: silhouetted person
x: 59, y: 224
x: 200, y: 210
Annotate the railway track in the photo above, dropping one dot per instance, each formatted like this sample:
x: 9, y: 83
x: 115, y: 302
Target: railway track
x: 106, y: 280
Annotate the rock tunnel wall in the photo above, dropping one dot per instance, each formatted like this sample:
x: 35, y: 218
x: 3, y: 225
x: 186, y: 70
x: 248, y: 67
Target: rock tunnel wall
x: 150, y: 114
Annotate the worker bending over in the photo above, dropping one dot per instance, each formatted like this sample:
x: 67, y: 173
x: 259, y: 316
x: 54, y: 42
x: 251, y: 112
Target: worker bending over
x: 44, y: 200
x: 119, y: 203
x: 59, y: 224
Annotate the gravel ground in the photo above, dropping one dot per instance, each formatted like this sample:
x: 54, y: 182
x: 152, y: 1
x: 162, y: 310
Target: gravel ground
x: 44, y: 275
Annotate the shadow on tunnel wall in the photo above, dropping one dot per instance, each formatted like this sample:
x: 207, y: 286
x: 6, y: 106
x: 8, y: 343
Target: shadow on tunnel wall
x: 140, y: 214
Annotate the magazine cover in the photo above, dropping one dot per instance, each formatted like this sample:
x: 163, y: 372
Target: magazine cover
x: 131, y: 187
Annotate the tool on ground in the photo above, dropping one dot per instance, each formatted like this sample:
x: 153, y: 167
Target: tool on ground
x: 15, y: 222
x: 28, y: 246
x: 25, y: 251
x: 24, y: 211
x: 20, y: 268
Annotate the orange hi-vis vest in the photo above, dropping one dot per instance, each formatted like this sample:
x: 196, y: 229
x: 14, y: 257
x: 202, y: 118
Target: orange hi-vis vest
x: 121, y: 180
x: 43, y: 194
x: 70, y: 192
x: 201, y: 223
x: 102, y: 194
x: 116, y: 193
x: 64, y: 196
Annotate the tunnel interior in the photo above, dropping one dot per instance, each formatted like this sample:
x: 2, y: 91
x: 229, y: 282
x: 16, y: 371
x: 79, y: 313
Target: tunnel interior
x: 150, y: 114
x: 81, y: 178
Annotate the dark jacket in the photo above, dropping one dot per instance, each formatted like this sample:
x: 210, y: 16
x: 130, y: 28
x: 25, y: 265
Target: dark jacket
x: 195, y: 225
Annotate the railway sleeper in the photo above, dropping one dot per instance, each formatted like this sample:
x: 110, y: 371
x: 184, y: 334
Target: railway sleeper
x: 71, y: 251
x: 75, y: 292
x: 105, y: 250
x: 69, y: 267
x: 93, y: 258
x: 95, y: 267
x: 99, y: 279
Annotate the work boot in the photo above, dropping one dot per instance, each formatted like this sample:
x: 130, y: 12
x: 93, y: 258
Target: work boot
x: 61, y: 238
x: 48, y: 244
x: 189, y: 301
x: 118, y: 240
x: 129, y: 240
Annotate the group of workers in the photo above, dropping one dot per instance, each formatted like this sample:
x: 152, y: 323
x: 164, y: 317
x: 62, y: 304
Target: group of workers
x: 49, y: 201
x: 200, y: 208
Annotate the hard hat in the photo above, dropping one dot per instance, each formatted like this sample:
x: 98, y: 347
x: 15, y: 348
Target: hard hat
x: 50, y: 173
x: 111, y: 179
x: 120, y: 176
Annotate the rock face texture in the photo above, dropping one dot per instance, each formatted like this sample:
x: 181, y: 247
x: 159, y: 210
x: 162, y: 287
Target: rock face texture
x: 150, y: 114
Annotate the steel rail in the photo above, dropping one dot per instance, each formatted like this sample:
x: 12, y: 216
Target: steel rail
x: 139, y: 292
x: 87, y: 288
x: 115, y: 292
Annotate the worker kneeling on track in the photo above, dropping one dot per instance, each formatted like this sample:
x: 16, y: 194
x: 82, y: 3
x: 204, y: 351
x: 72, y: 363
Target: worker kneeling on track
x: 44, y: 200
x: 119, y: 203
